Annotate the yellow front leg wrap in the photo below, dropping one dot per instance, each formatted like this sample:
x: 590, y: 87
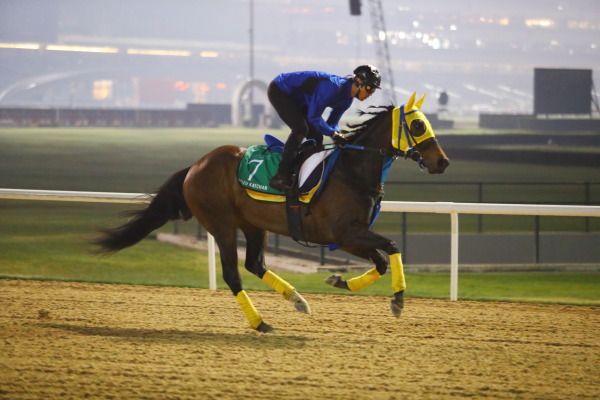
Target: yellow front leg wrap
x: 280, y: 286
x: 248, y: 309
x: 398, y: 281
x: 365, y: 279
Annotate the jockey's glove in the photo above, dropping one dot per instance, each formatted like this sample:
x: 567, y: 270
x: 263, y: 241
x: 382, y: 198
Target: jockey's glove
x: 339, y: 138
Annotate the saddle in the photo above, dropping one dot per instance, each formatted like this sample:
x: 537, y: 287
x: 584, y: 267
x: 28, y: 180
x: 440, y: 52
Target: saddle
x: 310, y: 171
x: 260, y: 164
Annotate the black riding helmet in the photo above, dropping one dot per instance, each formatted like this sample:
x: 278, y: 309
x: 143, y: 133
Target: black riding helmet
x: 369, y: 75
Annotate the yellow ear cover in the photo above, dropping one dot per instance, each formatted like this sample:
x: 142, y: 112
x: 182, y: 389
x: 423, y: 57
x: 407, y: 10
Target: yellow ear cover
x: 411, y: 102
x: 248, y: 309
x: 280, y: 286
x: 419, y: 103
x: 365, y: 279
x: 398, y: 280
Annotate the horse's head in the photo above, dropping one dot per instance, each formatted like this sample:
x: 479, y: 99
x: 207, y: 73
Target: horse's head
x: 413, y: 135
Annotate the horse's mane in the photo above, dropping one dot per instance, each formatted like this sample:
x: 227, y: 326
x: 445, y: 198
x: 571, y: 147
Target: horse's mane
x: 357, y: 129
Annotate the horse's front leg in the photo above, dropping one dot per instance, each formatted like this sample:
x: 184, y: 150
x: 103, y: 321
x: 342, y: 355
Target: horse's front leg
x: 366, y: 244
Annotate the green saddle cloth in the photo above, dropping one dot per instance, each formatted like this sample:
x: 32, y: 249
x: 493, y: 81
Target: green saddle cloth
x: 257, y: 168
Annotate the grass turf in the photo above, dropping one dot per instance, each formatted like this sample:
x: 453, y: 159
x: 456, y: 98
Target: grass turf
x: 48, y: 240
x: 56, y: 246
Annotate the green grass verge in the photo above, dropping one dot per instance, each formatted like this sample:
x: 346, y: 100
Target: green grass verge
x: 50, y: 241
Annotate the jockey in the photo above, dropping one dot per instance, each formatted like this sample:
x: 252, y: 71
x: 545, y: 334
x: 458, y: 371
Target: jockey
x: 300, y: 98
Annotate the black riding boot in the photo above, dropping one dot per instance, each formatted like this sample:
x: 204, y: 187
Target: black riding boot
x: 284, y: 181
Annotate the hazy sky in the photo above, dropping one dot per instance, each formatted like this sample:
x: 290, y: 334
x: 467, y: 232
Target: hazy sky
x: 432, y: 43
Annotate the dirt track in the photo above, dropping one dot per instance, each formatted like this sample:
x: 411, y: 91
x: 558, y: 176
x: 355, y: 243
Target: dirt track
x: 76, y: 341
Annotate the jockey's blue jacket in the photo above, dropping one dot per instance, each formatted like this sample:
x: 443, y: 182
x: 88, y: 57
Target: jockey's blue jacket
x: 315, y: 91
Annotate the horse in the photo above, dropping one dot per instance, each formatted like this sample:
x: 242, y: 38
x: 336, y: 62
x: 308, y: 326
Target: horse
x: 342, y: 214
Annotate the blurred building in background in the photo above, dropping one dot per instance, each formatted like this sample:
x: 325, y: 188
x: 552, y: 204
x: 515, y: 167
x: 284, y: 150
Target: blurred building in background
x: 157, y: 54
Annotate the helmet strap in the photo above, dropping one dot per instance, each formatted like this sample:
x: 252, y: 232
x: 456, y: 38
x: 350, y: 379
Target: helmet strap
x: 358, y: 86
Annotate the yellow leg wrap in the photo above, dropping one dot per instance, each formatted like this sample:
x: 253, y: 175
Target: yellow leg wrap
x: 280, y: 286
x: 248, y: 309
x: 398, y: 281
x: 365, y: 279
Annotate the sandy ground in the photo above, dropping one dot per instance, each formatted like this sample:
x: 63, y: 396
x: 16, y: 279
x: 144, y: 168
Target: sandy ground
x: 76, y: 341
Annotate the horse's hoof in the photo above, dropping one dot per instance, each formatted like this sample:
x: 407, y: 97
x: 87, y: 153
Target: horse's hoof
x: 265, y: 328
x: 333, y: 280
x: 396, y: 308
x: 337, y: 281
x: 299, y: 303
x: 397, y: 303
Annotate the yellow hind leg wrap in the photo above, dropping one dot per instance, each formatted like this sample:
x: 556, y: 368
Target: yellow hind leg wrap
x: 398, y: 280
x: 365, y: 279
x: 248, y: 309
x: 280, y: 286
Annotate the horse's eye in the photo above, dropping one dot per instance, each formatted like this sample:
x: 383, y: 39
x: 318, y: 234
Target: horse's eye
x: 418, y: 127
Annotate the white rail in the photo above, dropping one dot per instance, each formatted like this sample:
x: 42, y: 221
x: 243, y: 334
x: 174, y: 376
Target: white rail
x: 387, y: 206
x: 482, y: 208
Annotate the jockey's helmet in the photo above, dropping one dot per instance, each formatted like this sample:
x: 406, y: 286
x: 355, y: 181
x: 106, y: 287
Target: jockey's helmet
x: 369, y: 75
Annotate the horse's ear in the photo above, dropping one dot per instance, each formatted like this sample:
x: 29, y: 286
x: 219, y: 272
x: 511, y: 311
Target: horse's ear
x: 411, y: 102
x: 419, y: 103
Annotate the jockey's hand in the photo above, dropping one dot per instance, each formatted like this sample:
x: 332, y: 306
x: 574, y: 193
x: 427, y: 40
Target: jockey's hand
x: 339, y: 138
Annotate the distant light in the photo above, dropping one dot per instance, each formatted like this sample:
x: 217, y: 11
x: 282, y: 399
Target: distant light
x: 181, y: 86
x: 154, y: 52
x: 543, y: 23
x: 84, y: 49
x: 329, y: 9
x: 453, y: 27
x: 415, y: 24
x: 381, y: 35
x: 23, y: 46
x: 209, y: 54
x: 102, y: 89
x: 221, y: 86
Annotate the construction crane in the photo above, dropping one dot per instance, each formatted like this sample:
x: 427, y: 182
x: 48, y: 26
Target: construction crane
x: 382, y: 47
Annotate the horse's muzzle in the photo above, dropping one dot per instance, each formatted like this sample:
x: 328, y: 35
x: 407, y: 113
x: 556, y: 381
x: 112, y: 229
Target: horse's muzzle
x: 439, y: 167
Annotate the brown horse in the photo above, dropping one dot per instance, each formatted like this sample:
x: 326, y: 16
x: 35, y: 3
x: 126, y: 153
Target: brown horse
x: 341, y: 214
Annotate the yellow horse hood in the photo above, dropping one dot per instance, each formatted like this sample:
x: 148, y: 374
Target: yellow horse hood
x: 402, y: 117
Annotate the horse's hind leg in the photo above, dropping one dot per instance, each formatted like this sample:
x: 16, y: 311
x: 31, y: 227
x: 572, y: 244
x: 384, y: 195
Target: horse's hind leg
x: 227, y: 243
x: 256, y: 240
x: 365, y: 244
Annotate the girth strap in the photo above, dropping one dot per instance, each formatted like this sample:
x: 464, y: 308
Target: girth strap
x: 294, y: 218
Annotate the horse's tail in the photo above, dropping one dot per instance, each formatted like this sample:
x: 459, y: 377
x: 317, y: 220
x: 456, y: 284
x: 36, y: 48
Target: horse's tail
x: 168, y: 204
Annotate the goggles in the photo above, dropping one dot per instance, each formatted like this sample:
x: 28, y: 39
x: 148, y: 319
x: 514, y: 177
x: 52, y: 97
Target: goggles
x: 370, y: 88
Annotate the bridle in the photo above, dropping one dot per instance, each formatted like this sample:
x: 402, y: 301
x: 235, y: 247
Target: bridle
x: 414, y: 150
